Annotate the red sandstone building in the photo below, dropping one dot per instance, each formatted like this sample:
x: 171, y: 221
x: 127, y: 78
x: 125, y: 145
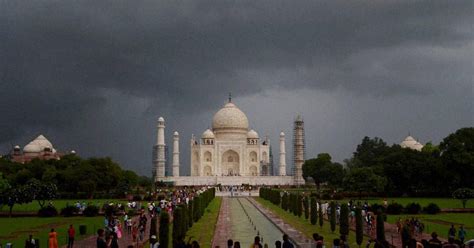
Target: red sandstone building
x: 39, y: 148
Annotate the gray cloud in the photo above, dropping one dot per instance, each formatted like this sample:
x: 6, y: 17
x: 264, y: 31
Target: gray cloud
x: 94, y: 75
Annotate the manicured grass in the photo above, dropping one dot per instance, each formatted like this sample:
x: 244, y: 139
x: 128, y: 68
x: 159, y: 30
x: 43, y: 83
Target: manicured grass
x: 203, y: 230
x: 16, y: 230
x: 59, y: 204
x: 304, y: 226
x: 440, y: 223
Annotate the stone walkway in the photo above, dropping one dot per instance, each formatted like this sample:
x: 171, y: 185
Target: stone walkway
x: 125, y: 241
x: 223, y: 225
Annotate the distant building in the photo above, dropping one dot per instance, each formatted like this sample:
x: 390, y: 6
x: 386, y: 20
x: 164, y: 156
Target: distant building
x: 410, y: 143
x: 39, y: 148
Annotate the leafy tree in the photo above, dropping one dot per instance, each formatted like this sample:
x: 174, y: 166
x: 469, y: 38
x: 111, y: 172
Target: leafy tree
x: 359, y: 226
x: 164, y: 229
x: 332, y: 217
x: 4, y: 185
x: 370, y: 152
x: 364, y: 180
x: 41, y: 192
x: 322, y: 170
x: 463, y: 194
x: 314, y: 211
x: 16, y: 195
x: 344, y: 220
x: 457, y: 153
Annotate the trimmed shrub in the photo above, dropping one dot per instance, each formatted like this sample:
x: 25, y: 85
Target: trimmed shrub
x: 110, y: 210
x: 190, y: 213
x: 432, y: 208
x: 177, y: 224
x: 306, y: 207
x: 284, y: 201
x: 380, y: 228
x: 394, y: 208
x: 314, y: 211
x: 320, y: 213
x: 48, y: 211
x: 299, y: 205
x: 69, y: 211
x: 359, y: 226
x: 332, y: 218
x: 344, y: 220
x: 91, y: 211
x: 164, y: 229
x: 413, y: 208
x: 377, y: 208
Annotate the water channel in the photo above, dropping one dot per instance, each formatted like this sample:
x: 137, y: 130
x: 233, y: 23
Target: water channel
x: 248, y: 222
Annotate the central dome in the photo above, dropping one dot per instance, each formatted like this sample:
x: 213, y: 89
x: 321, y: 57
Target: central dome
x: 230, y: 118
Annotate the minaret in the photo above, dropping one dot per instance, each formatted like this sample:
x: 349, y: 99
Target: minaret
x: 298, y: 149
x: 176, y: 154
x: 282, y: 155
x: 159, y: 151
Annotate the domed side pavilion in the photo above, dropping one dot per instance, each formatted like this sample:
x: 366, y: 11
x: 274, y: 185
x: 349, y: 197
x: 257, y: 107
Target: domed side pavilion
x: 230, y: 153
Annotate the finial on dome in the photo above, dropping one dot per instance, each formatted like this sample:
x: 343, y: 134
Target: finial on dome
x: 230, y: 97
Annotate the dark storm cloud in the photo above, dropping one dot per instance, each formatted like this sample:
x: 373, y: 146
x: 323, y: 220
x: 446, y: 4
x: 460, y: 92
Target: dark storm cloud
x: 72, y: 66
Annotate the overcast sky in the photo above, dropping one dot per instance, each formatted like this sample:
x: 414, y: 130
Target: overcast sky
x: 94, y: 76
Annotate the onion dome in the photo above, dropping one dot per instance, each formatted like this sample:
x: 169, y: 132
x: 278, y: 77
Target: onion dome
x: 230, y: 118
x: 208, y: 134
x: 252, y: 134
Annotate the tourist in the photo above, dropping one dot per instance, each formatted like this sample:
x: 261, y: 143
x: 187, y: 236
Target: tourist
x: 452, y: 232
x: 154, y: 242
x: 278, y: 244
x: 256, y: 243
x: 315, y: 237
x: 336, y: 243
x: 195, y: 244
x: 320, y: 242
x: 53, y: 239
x: 286, y: 242
x: 70, y: 236
x: 230, y: 243
x: 129, y: 226
x: 461, y: 233
x: 237, y: 244
x: 434, y: 241
x: 101, y: 243
x: 30, y: 242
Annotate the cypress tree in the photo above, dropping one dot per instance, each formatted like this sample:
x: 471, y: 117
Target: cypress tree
x: 314, y: 212
x: 185, y: 224
x: 321, y: 217
x: 176, y: 224
x: 196, y: 208
x: 284, y: 202
x: 164, y: 229
x: 306, y: 207
x: 153, y: 225
x: 190, y: 213
x: 380, y: 227
x: 299, y: 206
x: 359, y: 226
x: 344, y: 220
x: 332, y: 218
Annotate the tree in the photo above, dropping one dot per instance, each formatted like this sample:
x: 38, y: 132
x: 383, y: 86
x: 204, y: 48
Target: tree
x: 359, y: 226
x: 457, y: 153
x: 380, y: 228
x: 321, y: 217
x: 177, y: 224
x: 284, y: 201
x: 463, y: 194
x: 370, y: 152
x: 164, y: 229
x: 4, y: 185
x: 332, y: 217
x: 17, y: 195
x: 314, y: 211
x: 299, y: 205
x: 364, y: 180
x: 41, y: 192
x: 344, y: 220
x: 322, y: 170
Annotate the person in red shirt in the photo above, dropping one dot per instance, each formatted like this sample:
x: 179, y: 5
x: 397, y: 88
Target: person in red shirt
x: 70, y: 234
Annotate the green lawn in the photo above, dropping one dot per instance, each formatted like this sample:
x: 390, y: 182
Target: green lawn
x: 441, y: 223
x: 59, y: 204
x: 441, y: 202
x: 304, y: 226
x: 203, y: 230
x: 16, y: 230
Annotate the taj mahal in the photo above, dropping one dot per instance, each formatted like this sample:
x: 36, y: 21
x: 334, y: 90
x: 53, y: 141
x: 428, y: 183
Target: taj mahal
x: 229, y: 153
